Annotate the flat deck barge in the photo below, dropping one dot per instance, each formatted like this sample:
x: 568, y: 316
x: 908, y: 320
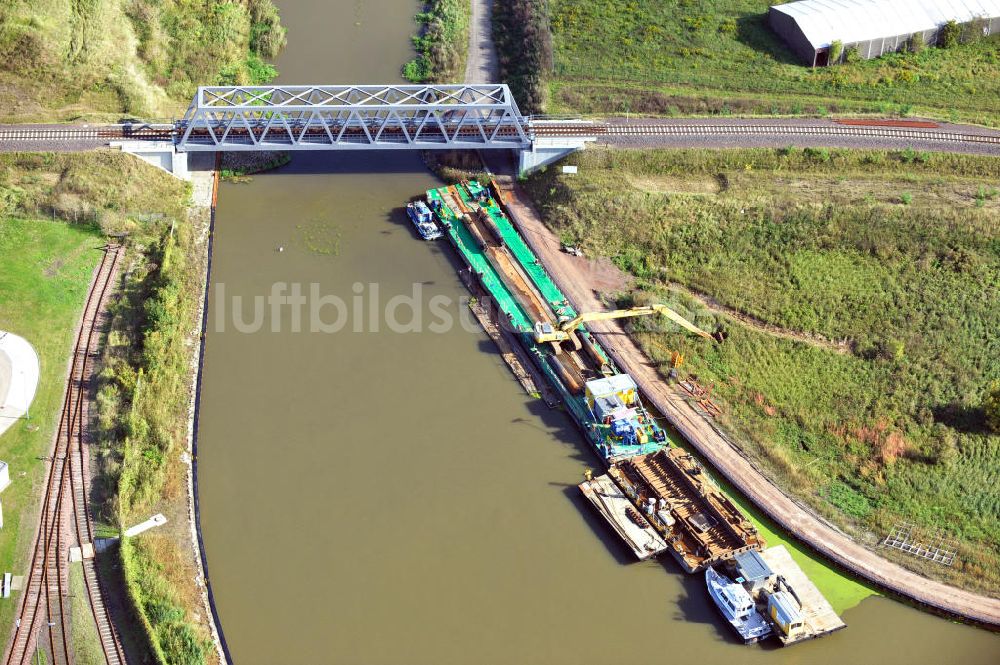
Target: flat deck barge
x: 818, y: 617
x: 702, y: 526
x: 616, y: 508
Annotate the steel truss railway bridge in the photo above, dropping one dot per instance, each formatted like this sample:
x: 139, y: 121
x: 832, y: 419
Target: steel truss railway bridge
x: 447, y: 117
x: 368, y: 117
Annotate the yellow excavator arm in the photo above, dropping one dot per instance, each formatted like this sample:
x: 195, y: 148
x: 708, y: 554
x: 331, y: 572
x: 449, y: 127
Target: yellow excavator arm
x: 549, y: 333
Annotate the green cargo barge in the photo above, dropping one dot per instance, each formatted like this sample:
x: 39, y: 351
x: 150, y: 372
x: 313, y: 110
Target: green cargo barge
x: 604, y: 402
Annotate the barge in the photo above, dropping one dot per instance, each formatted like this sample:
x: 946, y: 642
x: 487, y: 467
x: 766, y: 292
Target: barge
x: 603, y: 402
x: 655, y: 496
x: 616, y: 508
x: 796, y: 608
x: 701, y: 524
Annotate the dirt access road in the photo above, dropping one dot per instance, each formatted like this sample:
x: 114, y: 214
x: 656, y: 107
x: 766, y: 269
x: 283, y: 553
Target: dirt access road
x: 572, y: 274
x: 481, y: 61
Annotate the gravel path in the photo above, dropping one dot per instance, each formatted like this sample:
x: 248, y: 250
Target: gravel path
x: 481, y: 61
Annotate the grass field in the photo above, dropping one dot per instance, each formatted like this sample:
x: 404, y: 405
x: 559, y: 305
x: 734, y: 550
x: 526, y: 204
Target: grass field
x: 46, y: 267
x: 102, y: 59
x: 720, y: 57
x: 860, y: 293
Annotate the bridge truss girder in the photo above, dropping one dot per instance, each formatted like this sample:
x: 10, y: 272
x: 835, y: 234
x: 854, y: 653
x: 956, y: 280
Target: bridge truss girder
x: 367, y: 117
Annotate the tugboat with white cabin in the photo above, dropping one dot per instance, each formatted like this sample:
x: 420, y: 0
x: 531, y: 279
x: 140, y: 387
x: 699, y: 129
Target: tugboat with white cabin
x: 423, y: 220
x: 737, y: 606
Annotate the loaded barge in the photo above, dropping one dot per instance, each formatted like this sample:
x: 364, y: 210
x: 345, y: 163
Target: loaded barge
x: 655, y: 495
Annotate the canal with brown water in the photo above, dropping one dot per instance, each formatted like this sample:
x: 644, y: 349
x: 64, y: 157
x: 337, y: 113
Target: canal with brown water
x: 394, y: 497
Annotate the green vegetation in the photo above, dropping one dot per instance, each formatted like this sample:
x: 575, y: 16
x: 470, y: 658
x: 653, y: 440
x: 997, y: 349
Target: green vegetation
x: 720, y: 57
x: 836, y: 51
x: 51, y: 210
x: 524, y: 48
x: 54, y: 208
x: 46, y: 269
x: 143, y: 402
x: 99, y: 59
x: 239, y: 167
x: 86, y: 642
x: 157, y: 602
x: 991, y: 407
x: 862, y: 341
x: 144, y: 381
x: 949, y: 36
x: 441, y: 44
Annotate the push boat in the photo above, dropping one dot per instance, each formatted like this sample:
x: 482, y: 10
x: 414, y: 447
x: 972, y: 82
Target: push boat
x: 737, y: 606
x: 423, y: 220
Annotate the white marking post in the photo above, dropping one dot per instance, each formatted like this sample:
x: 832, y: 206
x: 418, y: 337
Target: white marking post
x: 154, y: 521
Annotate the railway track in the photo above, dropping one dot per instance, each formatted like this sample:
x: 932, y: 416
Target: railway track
x: 99, y: 133
x: 44, y: 611
x: 847, y: 131
x: 338, y: 132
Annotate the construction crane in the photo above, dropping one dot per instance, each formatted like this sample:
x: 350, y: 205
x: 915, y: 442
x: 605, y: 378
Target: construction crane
x: 546, y: 332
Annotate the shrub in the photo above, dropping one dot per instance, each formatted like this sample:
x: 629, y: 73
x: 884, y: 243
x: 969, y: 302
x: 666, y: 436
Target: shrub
x: 728, y: 27
x: 440, y: 43
x: 417, y: 70
x: 906, y: 198
x: 911, y: 156
x: 991, y: 407
x: 524, y: 45
x: 821, y: 155
x: 258, y: 71
x: 915, y: 44
x: 267, y: 35
x: 975, y: 30
x: 836, y: 50
x: 943, y: 446
x: 949, y: 35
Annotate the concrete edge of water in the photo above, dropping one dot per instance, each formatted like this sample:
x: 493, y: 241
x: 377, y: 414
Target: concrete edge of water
x: 204, y: 194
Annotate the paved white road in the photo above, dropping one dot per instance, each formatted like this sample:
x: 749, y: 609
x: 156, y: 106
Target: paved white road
x: 18, y: 378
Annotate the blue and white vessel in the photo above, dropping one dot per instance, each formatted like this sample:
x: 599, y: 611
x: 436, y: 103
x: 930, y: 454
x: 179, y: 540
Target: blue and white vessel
x: 737, y: 606
x: 421, y: 216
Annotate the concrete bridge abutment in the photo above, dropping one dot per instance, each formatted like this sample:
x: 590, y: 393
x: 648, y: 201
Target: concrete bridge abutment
x: 546, y: 151
x: 161, y: 154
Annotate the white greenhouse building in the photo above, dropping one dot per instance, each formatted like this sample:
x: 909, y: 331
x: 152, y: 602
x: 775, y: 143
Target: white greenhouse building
x: 874, y: 27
